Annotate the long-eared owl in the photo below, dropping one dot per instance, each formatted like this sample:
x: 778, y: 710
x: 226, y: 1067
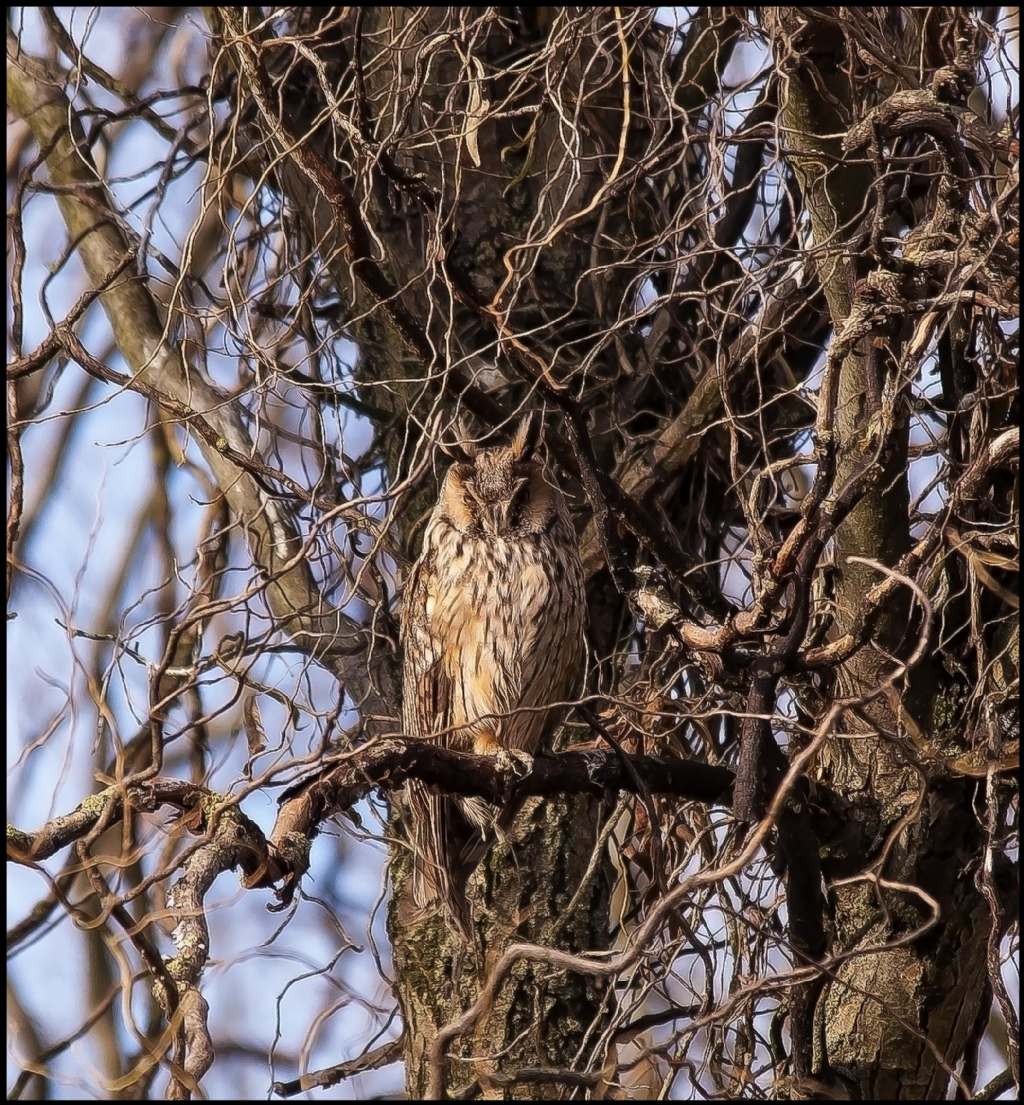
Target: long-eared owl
x: 493, y: 636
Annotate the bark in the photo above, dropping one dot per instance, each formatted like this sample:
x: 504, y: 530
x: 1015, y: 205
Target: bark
x: 891, y: 1024
x: 521, y: 892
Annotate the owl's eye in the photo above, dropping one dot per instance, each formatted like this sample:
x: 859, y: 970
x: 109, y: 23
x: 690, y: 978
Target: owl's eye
x: 518, y: 496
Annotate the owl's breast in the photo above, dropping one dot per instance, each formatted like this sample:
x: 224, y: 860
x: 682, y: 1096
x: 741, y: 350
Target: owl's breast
x: 504, y: 595
x: 505, y: 621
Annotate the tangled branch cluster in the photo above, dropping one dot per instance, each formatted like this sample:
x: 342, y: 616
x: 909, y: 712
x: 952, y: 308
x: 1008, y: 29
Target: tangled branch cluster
x: 759, y: 272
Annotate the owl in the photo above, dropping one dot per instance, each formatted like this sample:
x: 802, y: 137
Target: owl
x: 492, y: 630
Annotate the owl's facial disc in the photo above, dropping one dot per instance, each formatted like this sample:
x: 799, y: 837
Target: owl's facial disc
x: 513, y: 505
x: 483, y: 507
x: 498, y: 504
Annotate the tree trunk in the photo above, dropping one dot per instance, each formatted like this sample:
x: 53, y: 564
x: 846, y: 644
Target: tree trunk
x: 891, y: 1024
x: 541, y: 1018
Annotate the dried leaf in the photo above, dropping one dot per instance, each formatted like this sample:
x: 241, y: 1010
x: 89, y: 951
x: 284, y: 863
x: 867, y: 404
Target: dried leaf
x: 255, y: 734
x: 477, y: 107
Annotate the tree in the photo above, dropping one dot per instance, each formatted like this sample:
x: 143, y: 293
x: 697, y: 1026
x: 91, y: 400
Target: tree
x: 758, y: 272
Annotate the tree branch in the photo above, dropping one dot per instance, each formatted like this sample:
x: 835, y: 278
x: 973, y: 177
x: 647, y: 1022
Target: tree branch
x: 155, y: 360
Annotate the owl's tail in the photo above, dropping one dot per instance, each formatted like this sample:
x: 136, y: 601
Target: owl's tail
x: 437, y: 872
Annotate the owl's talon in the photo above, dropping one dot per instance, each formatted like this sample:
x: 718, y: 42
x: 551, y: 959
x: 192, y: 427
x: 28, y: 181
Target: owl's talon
x: 514, y: 760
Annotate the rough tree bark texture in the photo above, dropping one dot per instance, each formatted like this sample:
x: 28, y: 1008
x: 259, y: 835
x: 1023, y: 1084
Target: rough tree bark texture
x: 521, y: 892
x: 903, y: 1045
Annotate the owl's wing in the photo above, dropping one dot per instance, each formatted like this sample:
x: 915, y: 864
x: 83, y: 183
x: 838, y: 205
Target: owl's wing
x: 426, y: 691
x: 426, y: 699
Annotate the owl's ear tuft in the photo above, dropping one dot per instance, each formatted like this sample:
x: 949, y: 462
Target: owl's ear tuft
x: 526, y: 438
x: 464, y: 449
x: 465, y: 431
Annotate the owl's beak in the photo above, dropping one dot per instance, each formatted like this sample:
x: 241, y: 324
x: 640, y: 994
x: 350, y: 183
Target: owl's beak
x: 493, y: 517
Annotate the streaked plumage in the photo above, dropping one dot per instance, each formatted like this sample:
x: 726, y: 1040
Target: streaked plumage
x: 492, y: 624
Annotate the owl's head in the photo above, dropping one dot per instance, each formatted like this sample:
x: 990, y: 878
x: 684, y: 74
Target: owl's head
x: 500, y: 491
